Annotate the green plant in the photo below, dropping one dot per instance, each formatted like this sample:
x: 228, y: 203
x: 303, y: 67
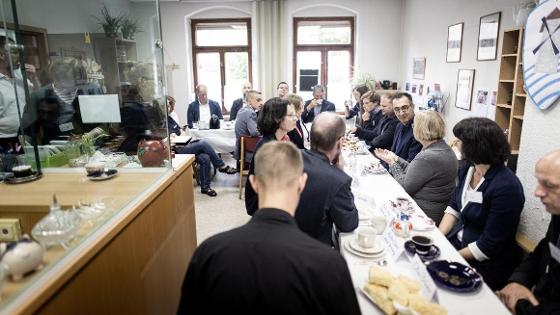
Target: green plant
x: 363, y: 78
x: 110, y: 23
x: 129, y: 27
x: 87, y: 141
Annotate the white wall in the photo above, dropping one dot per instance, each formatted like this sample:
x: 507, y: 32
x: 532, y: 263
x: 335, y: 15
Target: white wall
x: 425, y: 35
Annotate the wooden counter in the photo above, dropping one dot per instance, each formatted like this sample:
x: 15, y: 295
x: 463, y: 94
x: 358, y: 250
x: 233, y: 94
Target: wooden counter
x: 133, y: 263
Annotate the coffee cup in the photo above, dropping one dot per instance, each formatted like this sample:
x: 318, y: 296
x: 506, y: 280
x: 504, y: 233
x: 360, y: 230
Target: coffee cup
x: 95, y: 168
x: 379, y: 223
x: 366, y: 237
x: 22, y: 170
x: 423, y: 243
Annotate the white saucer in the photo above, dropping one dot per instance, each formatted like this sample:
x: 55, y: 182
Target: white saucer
x: 360, y: 254
x: 376, y: 249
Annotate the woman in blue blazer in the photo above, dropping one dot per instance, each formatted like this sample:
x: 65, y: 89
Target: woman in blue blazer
x: 482, y: 217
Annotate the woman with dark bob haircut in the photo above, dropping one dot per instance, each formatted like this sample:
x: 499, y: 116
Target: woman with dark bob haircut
x: 276, y: 118
x: 483, y: 214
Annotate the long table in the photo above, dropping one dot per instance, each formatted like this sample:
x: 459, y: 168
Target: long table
x: 380, y: 189
x: 222, y: 140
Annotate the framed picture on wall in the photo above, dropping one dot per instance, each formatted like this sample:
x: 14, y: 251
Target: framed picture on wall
x: 418, y: 68
x: 488, y: 36
x: 465, y: 81
x: 454, y: 42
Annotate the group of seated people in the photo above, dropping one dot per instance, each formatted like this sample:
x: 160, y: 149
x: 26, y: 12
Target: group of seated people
x: 476, y: 202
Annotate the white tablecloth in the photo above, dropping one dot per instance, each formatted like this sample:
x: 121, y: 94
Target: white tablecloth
x: 222, y: 140
x: 382, y: 188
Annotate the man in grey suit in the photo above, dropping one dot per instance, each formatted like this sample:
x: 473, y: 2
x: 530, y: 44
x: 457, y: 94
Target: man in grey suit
x: 246, y: 122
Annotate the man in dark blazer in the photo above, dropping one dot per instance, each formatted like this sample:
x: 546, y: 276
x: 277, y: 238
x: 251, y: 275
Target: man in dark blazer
x: 317, y: 105
x: 269, y: 266
x: 385, y: 129
x: 534, y: 287
x: 238, y: 103
x: 404, y: 144
x: 327, y: 199
x: 210, y: 107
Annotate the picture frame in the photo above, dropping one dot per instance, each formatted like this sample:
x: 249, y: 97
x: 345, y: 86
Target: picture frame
x: 488, y: 32
x: 465, y: 82
x: 454, y: 42
x: 418, y: 68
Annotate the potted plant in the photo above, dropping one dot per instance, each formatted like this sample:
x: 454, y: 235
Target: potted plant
x: 110, y: 24
x: 129, y: 27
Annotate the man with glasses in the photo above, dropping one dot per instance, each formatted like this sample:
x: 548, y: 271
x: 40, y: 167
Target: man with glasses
x: 317, y: 105
x: 327, y: 202
x: 404, y: 144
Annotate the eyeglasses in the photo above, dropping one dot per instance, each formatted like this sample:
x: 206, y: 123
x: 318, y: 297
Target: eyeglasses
x: 403, y: 108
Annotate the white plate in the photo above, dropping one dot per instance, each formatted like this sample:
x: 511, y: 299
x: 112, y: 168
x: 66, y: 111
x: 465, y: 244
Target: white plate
x: 376, y: 249
x: 420, y: 223
x: 360, y: 254
x: 400, y: 308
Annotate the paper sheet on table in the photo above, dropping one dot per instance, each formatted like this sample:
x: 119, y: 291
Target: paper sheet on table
x: 100, y: 108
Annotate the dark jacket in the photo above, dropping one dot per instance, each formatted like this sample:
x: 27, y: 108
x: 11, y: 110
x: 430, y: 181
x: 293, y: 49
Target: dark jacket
x: 368, y: 131
x: 308, y: 116
x: 385, y: 132
x: 404, y: 144
x: 492, y: 224
x: 235, y: 107
x: 542, y: 271
x: 193, y: 111
x: 327, y: 199
x: 267, y: 266
x: 251, y: 197
x: 296, y: 135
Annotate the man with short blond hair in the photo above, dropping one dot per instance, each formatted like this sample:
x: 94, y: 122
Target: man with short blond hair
x: 246, y: 122
x: 269, y: 266
x: 534, y: 286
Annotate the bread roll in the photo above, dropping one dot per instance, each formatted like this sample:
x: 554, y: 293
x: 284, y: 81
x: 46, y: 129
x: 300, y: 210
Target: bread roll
x: 380, y: 276
x: 424, y: 307
x: 379, y: 295
x: 412, y: 285
x: 398, y: 292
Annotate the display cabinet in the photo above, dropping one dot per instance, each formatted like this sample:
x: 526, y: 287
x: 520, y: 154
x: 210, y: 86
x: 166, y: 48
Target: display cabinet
x: 119, y: 234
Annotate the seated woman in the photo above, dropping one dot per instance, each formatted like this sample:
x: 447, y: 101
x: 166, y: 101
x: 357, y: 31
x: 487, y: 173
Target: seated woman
x: 276, y: 118
x: 483, y: 214
x: 430, y: 178
x: 300, y: 135
x: 370, y: 118
x: 357, y: 92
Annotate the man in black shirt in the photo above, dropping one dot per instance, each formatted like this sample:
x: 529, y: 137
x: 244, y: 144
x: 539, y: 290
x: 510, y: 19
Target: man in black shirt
x: 268, y: 266
x: 534, y: 287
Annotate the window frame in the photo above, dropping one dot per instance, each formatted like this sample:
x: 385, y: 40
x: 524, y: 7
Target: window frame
x: 323, y: 48
x: 221, y: 50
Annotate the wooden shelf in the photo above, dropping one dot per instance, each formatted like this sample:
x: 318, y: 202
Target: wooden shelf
x: 521, y: 94
x: 520, y: 117
x: 514, y: 151
x: 509, y: 55
x: 504, y: 105
x: 507, y: 81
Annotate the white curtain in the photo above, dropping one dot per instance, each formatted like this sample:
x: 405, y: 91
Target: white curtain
x: 270, y: 29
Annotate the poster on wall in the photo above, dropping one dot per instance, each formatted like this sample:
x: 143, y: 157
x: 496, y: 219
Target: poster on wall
x: 418, y: 68
x: 407, y: 87
x: 488, y: 37
x: 541, y: 53
x: 454, y: 42
x: 413, y: 91
x: 465, y: 80
x: 480, y: 107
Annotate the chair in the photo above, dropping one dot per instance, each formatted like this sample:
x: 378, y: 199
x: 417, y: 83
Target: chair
x: 246, y: 144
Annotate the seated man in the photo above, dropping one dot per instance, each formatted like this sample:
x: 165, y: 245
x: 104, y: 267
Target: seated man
x: 246, y: 122
x: 404, y: 144
x: 534, y: 287
x: 385, y: 130
x: 268, y: 266
x: 327, y: 199
x: 240, y: 102
x: 317, y: 105
x: 202, y: 108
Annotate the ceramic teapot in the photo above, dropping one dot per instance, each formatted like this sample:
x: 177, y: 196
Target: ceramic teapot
x: 22, y: 257
x: 151, y: 153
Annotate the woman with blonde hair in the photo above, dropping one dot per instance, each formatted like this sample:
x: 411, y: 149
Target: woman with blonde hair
x: 430, y: 177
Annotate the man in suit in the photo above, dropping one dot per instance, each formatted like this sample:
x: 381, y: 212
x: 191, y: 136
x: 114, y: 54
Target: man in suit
x: 269, y: 266
x: 282, y: 89
x: 316, y: 105
x: 327, y: 200
x: 385, y: 130
x: 404, y: 144
x: 202, y: 108
x: 534, y: 287
x: 238, y: 103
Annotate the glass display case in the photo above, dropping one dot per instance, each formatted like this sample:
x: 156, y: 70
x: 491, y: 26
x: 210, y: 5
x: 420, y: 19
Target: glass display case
x: 82, y: 109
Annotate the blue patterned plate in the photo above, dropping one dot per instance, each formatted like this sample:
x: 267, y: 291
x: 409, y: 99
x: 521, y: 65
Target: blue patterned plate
x: 455, y: 276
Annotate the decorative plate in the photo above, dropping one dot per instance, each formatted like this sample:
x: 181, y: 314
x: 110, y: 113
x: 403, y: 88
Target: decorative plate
x: 455, y: 276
